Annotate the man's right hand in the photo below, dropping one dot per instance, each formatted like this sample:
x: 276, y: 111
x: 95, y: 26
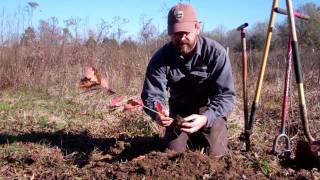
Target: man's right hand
x: 164, y: 119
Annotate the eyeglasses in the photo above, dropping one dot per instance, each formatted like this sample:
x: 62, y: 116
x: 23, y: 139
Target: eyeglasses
x: 180, y: 35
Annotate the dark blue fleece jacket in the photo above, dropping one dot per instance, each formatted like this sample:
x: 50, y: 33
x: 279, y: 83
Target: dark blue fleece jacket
x: 187, y: 84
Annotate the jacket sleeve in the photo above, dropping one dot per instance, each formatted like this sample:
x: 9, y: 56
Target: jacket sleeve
x: 155, y: 84
x: 221, y: 89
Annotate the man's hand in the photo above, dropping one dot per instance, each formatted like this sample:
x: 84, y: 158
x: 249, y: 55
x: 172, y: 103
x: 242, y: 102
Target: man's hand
x: 193, y: 123
x: 164, y: 119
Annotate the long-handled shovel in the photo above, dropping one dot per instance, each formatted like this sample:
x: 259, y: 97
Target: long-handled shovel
x: 245, y: 136
x: 286, y: 151
x: 241, y: 28
x: 314, y: 145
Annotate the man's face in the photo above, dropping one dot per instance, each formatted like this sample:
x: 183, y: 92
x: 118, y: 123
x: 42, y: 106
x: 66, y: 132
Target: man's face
x: 184, y: 41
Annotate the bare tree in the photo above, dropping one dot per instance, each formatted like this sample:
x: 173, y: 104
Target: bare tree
x: 74, y: 23
x: 28, y: 37
x: 219, y: 34
x: 148, y: 30
x: 309, y: 30
x: 257, y: 35
x: 118, y: 25
x: 103, y: 30
x: 32, y: 6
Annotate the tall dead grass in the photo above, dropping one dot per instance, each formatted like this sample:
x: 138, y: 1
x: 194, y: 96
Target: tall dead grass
x: 43, y: 65
x: 49, y: 56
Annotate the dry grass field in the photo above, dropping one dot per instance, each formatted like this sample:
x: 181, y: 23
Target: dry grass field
x: 50, y: 128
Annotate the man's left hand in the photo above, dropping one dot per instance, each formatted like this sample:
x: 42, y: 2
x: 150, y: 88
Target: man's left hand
x: 193, y: 123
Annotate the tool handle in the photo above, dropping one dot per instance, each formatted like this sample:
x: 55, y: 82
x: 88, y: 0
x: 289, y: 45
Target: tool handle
x: 242, y: 26
x: 296, y: 14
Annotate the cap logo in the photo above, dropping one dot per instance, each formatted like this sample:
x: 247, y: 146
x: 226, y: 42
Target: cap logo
x: 178, y: 15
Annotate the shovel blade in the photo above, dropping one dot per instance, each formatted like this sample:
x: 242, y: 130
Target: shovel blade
x: 308, y: 154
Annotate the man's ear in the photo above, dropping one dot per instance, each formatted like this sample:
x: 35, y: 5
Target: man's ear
x: 197, y: 27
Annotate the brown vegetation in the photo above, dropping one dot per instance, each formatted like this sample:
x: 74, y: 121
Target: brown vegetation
x: 52, y: 129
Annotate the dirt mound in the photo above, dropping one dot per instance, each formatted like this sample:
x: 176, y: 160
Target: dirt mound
x: 90, y: 147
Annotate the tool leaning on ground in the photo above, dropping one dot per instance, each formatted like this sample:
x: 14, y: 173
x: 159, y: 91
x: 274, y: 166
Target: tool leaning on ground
x: 285, y: 152
x: 245, y: 136
x: 241, y: 28
x: 314, y: 144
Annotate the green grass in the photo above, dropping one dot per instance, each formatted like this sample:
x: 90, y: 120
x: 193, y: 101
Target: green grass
x: 14, y: 149
x: 36, y: 107
x: 4, y: 106
x: 62, y: 125
x: 29, y: 110
x: 264, y: 166
x: 44, y: 121
x: 74, y: 93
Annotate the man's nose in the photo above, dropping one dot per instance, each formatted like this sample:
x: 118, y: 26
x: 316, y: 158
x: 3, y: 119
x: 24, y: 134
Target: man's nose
x: 182, y: 36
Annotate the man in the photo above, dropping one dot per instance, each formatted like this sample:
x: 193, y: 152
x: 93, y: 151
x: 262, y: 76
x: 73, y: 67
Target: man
x: 193, y: 74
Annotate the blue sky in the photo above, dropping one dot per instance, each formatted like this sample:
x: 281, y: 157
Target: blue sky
x: 213, y: 13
